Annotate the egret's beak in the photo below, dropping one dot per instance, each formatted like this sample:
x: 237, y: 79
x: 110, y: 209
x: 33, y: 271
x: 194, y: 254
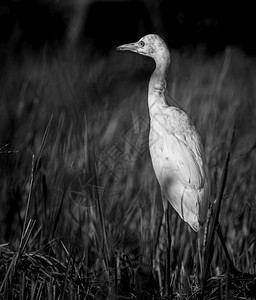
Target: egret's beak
x: 128, y: 47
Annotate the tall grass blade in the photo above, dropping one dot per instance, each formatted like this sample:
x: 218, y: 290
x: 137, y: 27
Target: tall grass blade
x: 65, y: 283
x: 58, y: 214
x: 46, y: 133
x: 216, y: 211
x: 29, y: 196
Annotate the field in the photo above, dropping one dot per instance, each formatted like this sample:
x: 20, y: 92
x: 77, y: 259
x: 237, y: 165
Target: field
x: 81, y: 209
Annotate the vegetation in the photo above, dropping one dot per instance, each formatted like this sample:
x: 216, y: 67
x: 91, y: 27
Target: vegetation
x: 80, y: 208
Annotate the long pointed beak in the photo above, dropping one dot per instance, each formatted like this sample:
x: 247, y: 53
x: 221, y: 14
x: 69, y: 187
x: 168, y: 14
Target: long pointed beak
x: 128, y: 47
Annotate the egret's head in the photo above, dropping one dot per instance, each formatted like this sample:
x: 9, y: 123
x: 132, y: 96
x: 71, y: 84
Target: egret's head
x: 150, y: 45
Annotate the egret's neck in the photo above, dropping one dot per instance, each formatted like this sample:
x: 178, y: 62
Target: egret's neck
x: 157, y: 84
x: 158, y: 78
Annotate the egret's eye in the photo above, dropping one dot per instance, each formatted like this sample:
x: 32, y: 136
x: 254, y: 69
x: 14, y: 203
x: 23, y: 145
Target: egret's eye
x: 142, y: 44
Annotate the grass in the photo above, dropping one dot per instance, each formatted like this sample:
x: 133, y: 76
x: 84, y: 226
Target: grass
x: 81, y: 209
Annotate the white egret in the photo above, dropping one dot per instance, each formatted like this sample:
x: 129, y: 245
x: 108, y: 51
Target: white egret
x: 176, y: 149
x: 177, y: 153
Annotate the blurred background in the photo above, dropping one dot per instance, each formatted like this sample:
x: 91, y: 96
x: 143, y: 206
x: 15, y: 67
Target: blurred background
x: 67, y: 97
x: 31, y: 24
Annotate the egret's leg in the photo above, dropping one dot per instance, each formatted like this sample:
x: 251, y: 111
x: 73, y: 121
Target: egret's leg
x: 168, y: 245
x: 200, y: 256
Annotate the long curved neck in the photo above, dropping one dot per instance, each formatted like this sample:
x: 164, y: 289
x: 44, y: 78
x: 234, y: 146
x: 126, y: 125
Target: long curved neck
x: 158, y: 77
x: 157, y: 84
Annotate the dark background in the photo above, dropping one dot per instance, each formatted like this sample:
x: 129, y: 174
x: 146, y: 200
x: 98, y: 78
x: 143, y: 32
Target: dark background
x: 30, y: 24
x: 81, y: 108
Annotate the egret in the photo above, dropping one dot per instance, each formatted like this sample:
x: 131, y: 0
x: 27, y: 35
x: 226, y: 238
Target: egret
x: 176, y: 149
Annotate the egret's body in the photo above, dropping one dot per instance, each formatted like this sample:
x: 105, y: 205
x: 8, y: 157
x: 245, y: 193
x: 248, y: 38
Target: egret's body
x: 175, y: 146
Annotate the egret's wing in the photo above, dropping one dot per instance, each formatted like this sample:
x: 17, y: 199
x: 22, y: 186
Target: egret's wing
x: 190, y: 162
x: 185, y: 147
